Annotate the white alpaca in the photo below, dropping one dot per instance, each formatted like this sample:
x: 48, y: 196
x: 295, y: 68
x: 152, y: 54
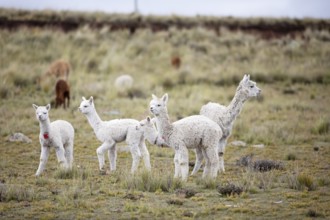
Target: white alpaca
x: 58, y: 134
x: 194, y: 132
x: 115, y: 131
x: 123, y: 82
x: 225, y: 116
x: 150, y: 132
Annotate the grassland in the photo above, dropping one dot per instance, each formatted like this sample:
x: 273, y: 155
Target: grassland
x: 291, y: 119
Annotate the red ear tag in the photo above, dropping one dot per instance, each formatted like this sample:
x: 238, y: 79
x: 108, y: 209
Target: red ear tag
x: 46, y: 135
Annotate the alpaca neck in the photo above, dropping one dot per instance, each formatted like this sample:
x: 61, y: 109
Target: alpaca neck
x: 44, y: 126
x: 235, y: 107
x: 94, y: 120
x: 165, y: 128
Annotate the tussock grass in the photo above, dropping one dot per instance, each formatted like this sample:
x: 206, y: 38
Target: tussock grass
x: 74, y: 173
x: 301, y: 181
x: 321, y: 127
x: 10, y: 192
x: 206, y: 183
x: 151, y: 182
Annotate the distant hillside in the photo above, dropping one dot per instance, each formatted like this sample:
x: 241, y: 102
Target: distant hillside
x: 68, y: 21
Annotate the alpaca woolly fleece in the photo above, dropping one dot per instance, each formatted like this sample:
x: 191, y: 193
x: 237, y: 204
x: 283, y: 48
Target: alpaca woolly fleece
x: 225, y: 116
x: 150, y: 132
x: 58, y: 134
x: 193, y: 132
x: 115, y: 131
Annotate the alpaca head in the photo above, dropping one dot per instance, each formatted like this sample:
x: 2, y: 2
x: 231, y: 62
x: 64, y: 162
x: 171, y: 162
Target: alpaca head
x: 86, y: 106
x: 42, y: 112
x: 158, y: 105
x: 248, y: 87
x: 148, y: 129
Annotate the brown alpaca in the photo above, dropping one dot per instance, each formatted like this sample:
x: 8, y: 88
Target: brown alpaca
x: 62, y: 90
x: 176, y: 62
x: 57, y: 70
x: 60, y: 69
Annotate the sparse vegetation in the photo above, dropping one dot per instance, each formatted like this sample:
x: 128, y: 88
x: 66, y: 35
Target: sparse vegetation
x: 291, y: 118
x: 229, y: 189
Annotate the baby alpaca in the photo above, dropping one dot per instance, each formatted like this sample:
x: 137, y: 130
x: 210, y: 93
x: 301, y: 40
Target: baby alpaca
x: 194, y: 132
x: 225, y: 116
x: 62, y: 91
x: 150, y: 132
x: 60, y: 69
x: 115, y: 131
x: 58, y: 134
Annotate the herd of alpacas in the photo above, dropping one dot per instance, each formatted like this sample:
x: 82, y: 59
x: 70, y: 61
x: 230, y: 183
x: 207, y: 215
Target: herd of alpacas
x: 206, y: 133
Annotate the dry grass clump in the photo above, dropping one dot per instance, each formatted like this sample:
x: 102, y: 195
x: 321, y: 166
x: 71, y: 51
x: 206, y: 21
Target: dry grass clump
x: 300, y: 181
x: 206, y: 183
x: 174, y: 202
x: 133, y: 196
x: 291, y: 156
x: 151, y: 182
x: 74, y: 173
x: 259, y: 165
x: 229, y: 189
x: 313, y: 214
x: 266, y: 165
x: 185, y: 193
x: 321, y: 127
x: 15, y: 193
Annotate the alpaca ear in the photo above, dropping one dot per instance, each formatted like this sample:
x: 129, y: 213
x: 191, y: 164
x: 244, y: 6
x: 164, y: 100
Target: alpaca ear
x: 153, y: 96
x: 148, y: 119
x: 48, y: 107
x: 165, y: 98
x: 35, y: 106
x: 83, y: 98
x: 245, y: 79
x: 91, y: 100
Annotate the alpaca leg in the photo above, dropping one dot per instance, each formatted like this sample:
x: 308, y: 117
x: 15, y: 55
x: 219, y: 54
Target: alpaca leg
x: 198, y: 162
x: 43, y: 160
x: 112, y: 155
x: 136, y: 155
x: 184, y: 163
x: 221, y: 151
x: 60, y: 154
x: 213, y: 162
x: 207, y: 164
x: 145, y: 154
x: 69, y: 154
x: 221, y: 163
x: 100, y: 154
x: 177, y: 171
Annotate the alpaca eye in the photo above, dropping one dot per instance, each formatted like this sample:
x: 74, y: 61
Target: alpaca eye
x: 158, y: 105
x: 251, y: 86
x: 45, y: 113
x: 85, y: 106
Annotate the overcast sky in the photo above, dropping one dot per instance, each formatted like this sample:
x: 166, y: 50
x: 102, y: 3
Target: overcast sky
x: 240, y: 8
